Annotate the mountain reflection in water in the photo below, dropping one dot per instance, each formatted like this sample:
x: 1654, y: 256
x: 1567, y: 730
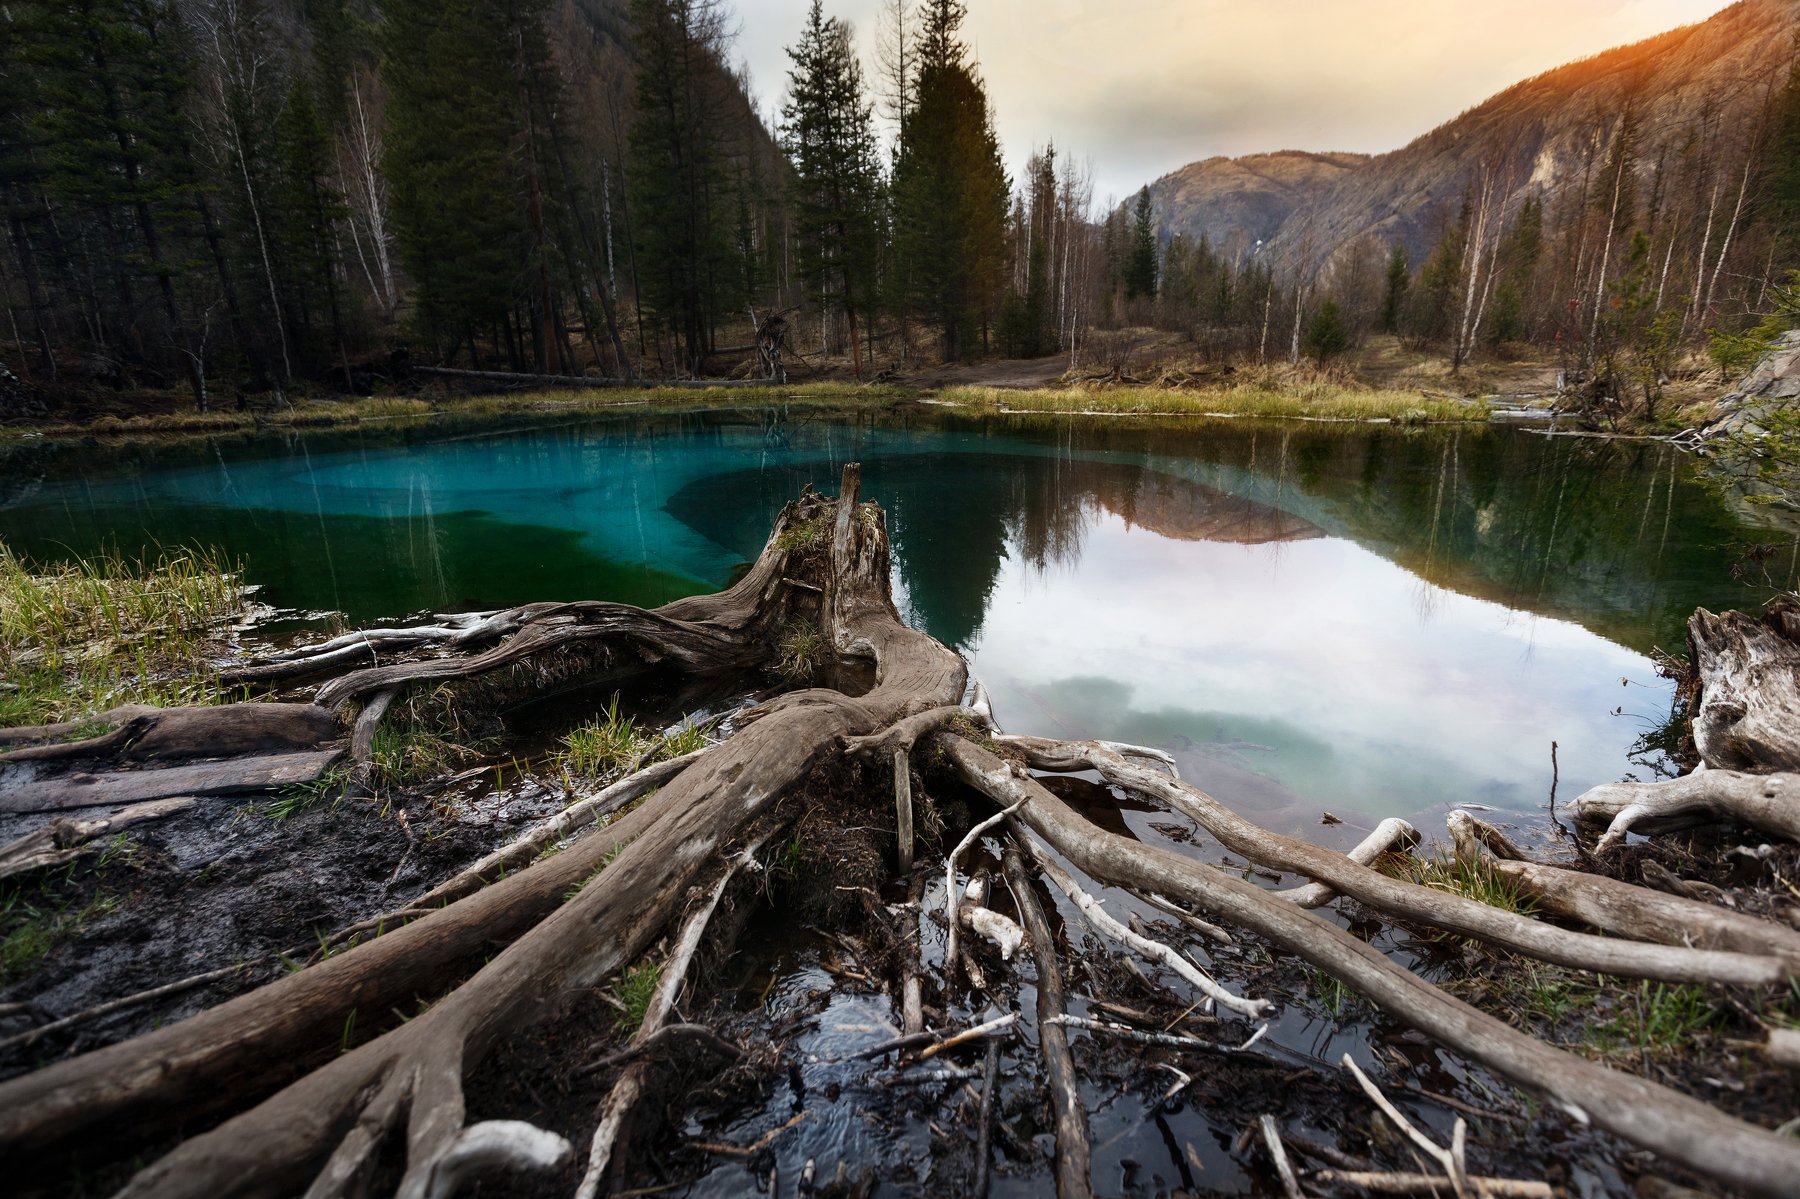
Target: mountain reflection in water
x: 1375, y: 621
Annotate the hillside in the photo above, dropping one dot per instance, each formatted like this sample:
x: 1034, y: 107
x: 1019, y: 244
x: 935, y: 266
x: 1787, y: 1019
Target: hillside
x: 1236, y: 202
x: 1701, y: 86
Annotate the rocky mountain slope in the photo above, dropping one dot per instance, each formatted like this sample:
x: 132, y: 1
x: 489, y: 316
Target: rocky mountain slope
x: 1236, y: 202
x: 1700, y: 86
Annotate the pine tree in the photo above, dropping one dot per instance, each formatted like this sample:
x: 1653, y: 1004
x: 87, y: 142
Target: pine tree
x: 1140, y: 264
x: 452, y: 132
x: 1326, y: 336
x: 1399, y: 280
x: 828, y: 132
x: 112, y: 77
x: 688, y: 227
x: 307, y: 211
x: 950, y: 192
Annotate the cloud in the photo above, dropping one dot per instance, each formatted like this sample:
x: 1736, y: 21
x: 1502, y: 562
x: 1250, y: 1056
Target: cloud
x: 1141, y: 87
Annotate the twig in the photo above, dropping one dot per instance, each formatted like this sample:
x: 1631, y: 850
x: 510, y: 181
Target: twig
x: 984, y: 1141
x: 1272, y: 1140
x: 753, y: 1147
x: 668, y: 1032
x: 32, y: 1035
x: 1449, y: 1159
x: 631, y: 1084
x: 1431, y: 1184
x: 1169, y: 1039
x: 1154, y: 950
x: 951, y: 897
x: 971, y: 1034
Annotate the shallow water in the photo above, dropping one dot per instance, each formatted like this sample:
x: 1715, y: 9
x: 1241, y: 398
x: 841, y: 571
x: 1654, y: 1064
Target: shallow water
x: 1370, y: 621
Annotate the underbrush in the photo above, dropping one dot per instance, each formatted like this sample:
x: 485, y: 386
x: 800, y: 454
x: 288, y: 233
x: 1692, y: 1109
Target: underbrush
x: 81, y: 638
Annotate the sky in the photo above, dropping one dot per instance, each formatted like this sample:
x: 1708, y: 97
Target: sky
x: 1138, y: 88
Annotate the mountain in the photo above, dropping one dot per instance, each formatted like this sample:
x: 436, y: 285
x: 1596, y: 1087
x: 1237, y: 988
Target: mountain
x: 1236, y: 202
x: 1702, y: 86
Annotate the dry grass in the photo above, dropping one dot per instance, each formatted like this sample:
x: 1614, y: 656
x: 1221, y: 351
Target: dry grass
x: 1318, y: 400
x: 77, y: 639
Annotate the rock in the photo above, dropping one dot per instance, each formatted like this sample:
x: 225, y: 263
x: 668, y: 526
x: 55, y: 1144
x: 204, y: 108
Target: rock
x: 1745, y: 411
x: 19, y: 398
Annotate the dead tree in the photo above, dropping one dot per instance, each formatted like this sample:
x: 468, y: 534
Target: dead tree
x: 282, y: 1111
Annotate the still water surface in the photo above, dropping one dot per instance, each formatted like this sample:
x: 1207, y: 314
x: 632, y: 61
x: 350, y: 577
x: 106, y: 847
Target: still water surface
x: 1371, y: 621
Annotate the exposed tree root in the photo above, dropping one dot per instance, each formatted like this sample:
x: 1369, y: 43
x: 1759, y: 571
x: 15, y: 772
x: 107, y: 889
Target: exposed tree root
x: 62, y: 840
x: 1407, y: 901
x: 508, y: 943
x: 1074, y: 1156
x: 1769, y: 803
x: 1669, y: 1123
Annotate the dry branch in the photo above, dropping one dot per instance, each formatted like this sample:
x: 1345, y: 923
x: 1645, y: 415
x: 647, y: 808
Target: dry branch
x: 1409, y: 901
x: 1673, y: 1125
x: 1769, y: 803
x: 1074, y: 1156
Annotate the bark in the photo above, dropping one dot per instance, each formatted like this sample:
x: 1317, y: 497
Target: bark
x: 1074, y: 1156
x: 1748, y: 713
x: 1673, y: 1125
x: 1769, y: 803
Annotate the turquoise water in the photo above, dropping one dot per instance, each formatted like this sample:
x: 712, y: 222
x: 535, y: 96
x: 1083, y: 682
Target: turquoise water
x: 1370, y: 621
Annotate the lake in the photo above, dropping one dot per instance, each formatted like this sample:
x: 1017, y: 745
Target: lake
x: 1370, y: 620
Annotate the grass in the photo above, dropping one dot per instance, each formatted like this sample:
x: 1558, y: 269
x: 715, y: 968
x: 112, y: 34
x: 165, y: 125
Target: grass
x: 1476, y: 879
x: 613, y: 745
x: 1319, y: 400
x: 635, y: 989
x: 292, y: 800
x: 421, y: 738
x: 29, y: 931
x: 83, y: 637
x: 1655, y: 1019
x: 801, y: 650
x: 805, y: 536
x: 608, y: 745
x: 1269, y: 394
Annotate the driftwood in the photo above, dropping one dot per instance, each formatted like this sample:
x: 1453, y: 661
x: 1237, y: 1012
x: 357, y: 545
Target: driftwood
x: 1745, y: 709
x: 273, y: 1101
x: 155, y: 754
x: 1074, y: 1155
x: 1673, y: 1125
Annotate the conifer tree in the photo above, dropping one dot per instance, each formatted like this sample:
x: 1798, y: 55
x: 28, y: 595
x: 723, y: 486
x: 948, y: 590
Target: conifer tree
x: 1140, y: 264
x: 453, y: 128
x: 1399, y: 280
x: 688, y: 226
x: 950, y: 191
x: 1326, y: 336
x: 828, y: 132
x: 111, y: 80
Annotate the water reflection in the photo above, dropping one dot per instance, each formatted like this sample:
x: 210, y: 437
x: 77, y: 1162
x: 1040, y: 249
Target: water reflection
x: 1374, y: 620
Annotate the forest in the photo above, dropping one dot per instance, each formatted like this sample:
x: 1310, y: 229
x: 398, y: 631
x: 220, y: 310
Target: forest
x: 245, y: 200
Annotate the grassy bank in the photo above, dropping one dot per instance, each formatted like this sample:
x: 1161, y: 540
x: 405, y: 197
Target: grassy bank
x: 1309, y: 400
x: 81, y: 638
